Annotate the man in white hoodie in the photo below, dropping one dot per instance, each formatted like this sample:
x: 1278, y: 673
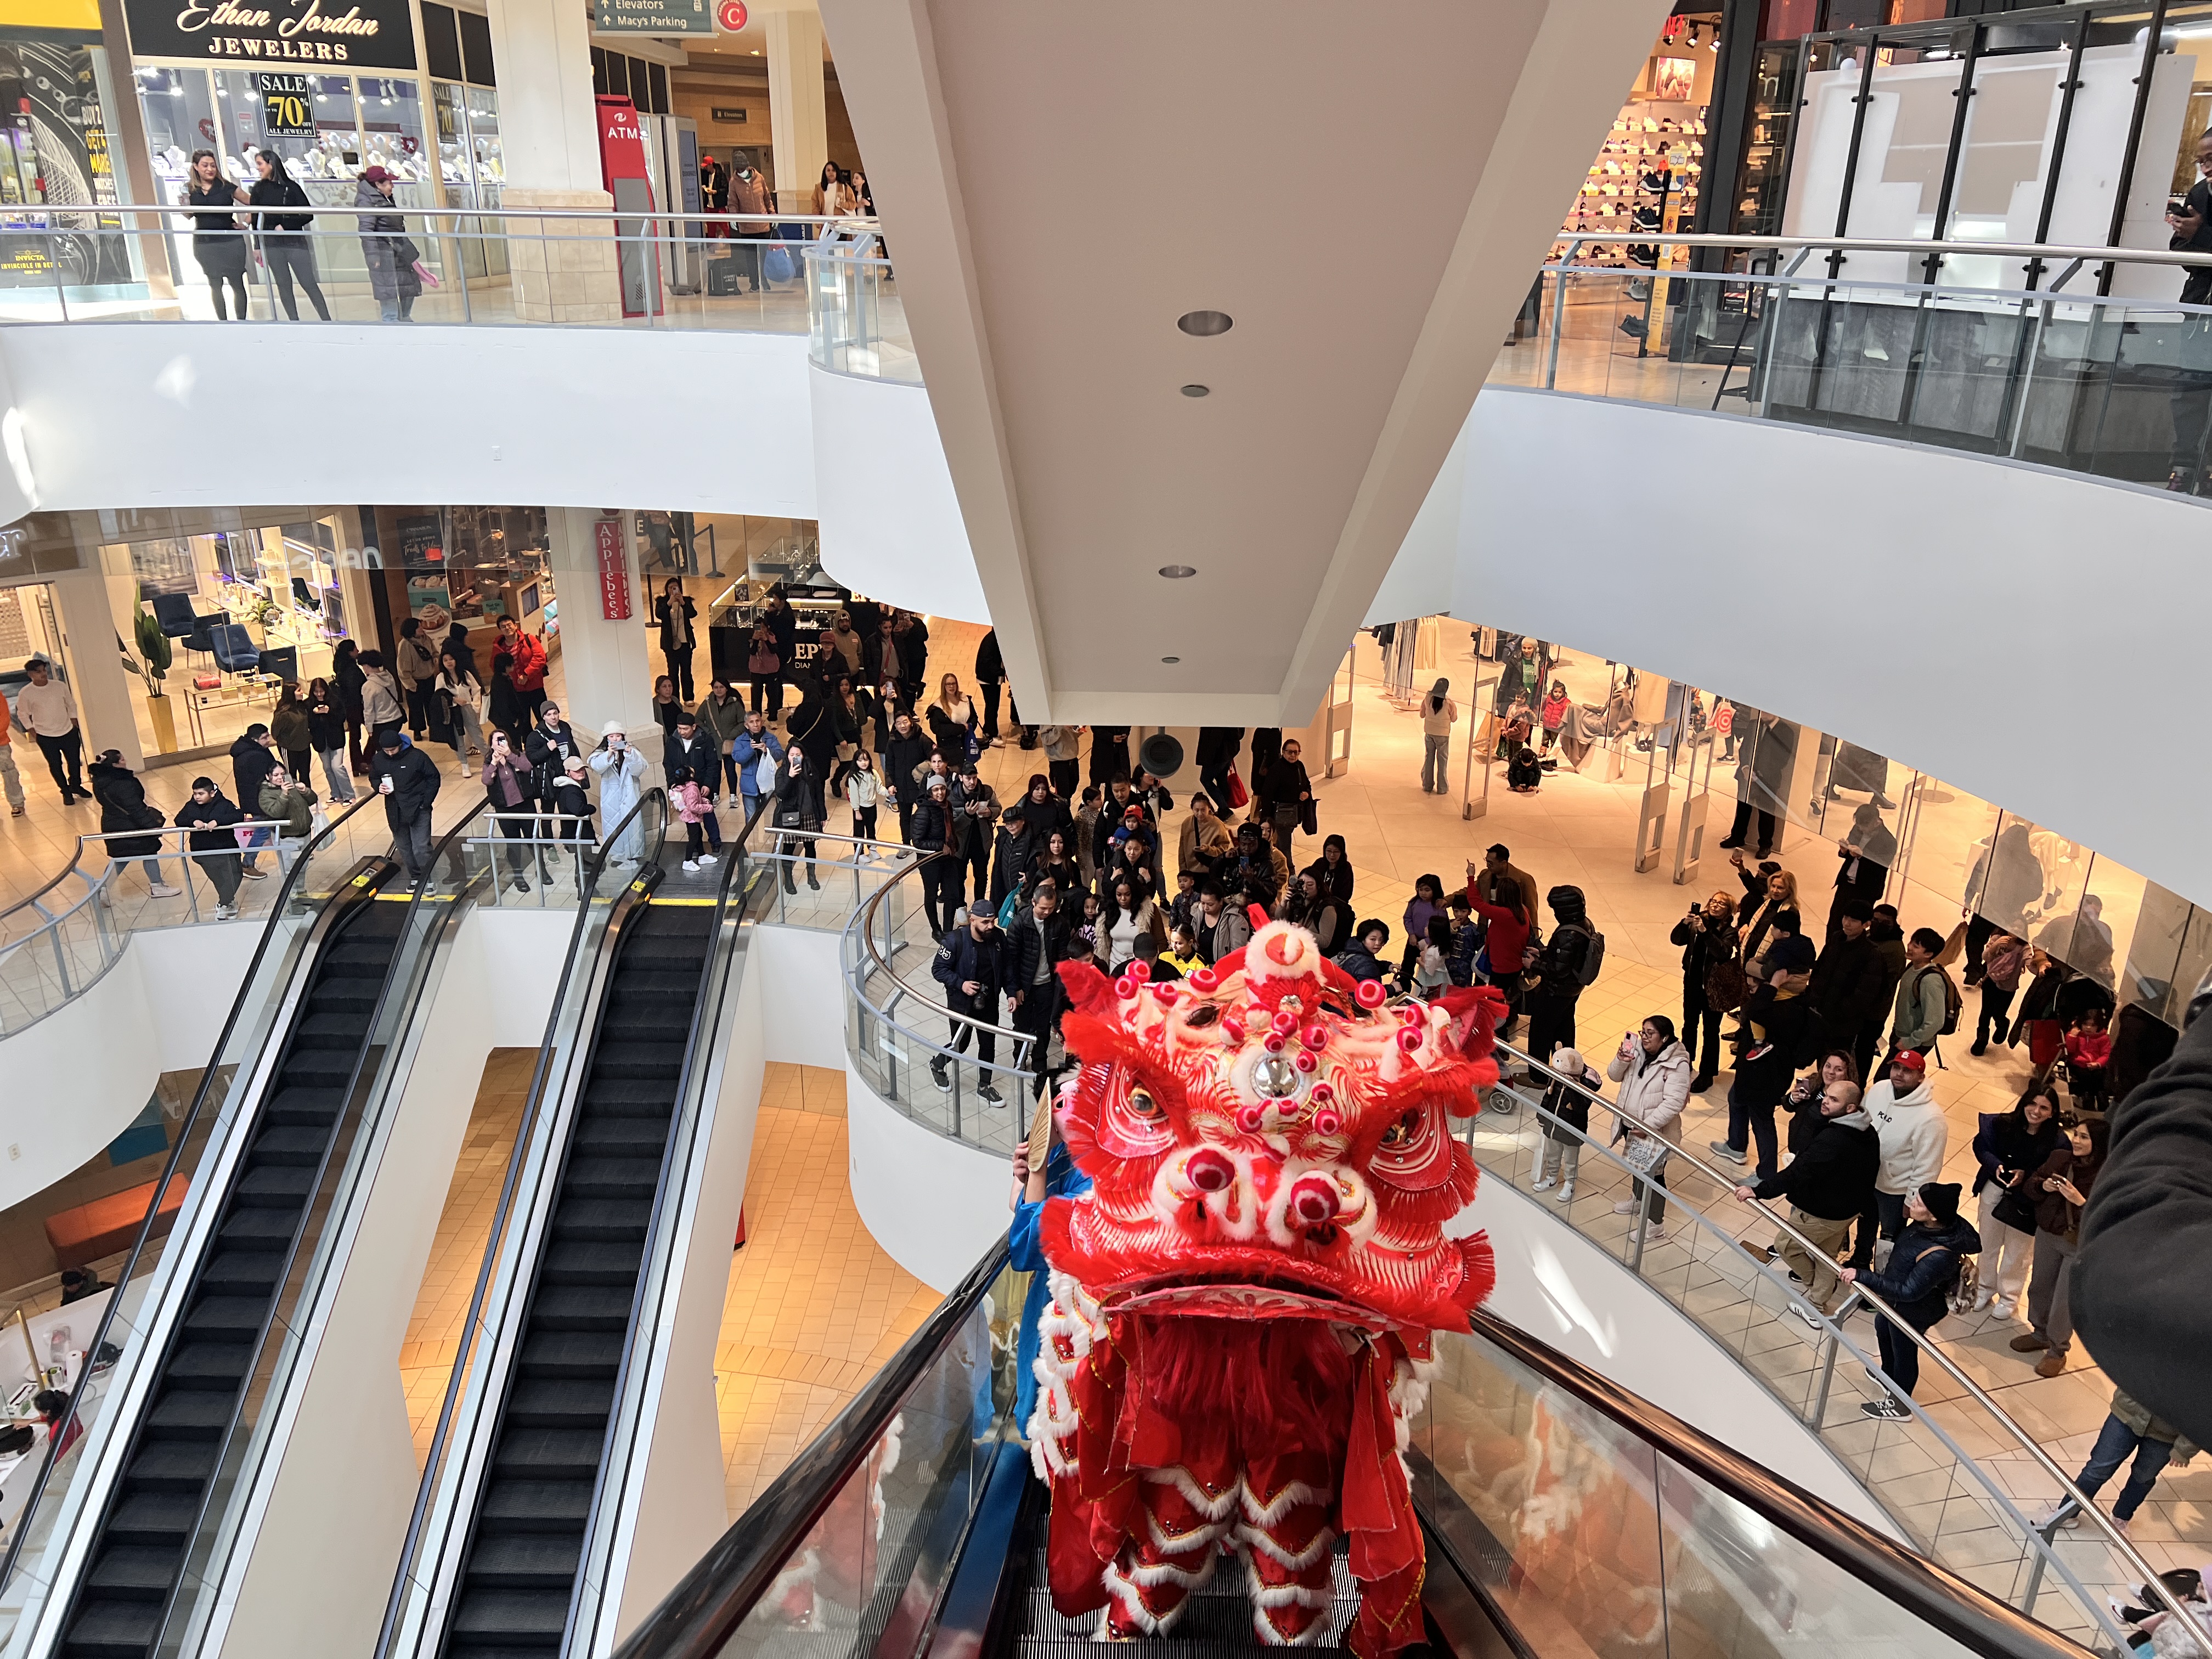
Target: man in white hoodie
x: 1914, y: 1137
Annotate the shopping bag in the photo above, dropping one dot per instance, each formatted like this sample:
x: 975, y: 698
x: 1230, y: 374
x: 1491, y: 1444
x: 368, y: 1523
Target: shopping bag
x: 776, y: 266
x: 424, y: 274
x: 1238, y: 794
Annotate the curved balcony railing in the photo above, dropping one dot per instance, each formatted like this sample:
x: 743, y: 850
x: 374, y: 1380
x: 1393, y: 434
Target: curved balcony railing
x: 477, y: 265
x: 1967, y: 1509
x: 57, y: 944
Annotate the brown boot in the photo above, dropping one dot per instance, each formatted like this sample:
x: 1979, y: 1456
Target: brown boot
x: 2051, y: 1364
x: 2029, y: 1342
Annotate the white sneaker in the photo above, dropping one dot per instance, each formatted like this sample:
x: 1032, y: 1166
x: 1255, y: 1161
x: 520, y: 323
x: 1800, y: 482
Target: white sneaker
x: 1543, y: 1186
x: 2001, y: 1308
x: 225, y: 912
x: 163, y: 890
x: 1806, y: 1318
x: 2043, y: 1520
x: 692, y: 866
x: 1984, y: 1300
x: 708, y: 858
x: 1565, y: 1194
x: 1648, y: 1235
x: 1627, y: 1207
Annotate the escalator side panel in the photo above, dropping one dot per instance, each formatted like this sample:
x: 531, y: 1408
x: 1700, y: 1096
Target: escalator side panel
x: 526, y: 1537
x: 138, y: 1553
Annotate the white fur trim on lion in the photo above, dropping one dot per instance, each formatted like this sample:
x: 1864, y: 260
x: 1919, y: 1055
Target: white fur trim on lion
x: 1131, y: 1603
x: 1274, y: 1509
x: 1213, y: 1509
x: 1311, y: 1636
x: 1291, y: 1595
x: 1201, y: 1537
x: 1254, y: 1538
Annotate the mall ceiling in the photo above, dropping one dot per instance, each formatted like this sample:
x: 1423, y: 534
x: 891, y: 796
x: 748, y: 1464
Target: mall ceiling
x: 1365, y: 192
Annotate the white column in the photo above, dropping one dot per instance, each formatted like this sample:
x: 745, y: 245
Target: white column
x: 798, y: 125
x: 549, y: 136
x: 608, y: 674
x: 97, y: 678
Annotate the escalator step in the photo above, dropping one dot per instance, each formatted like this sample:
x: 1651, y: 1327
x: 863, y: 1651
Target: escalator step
x: 171, y: 1465
x: 561, y: 1403
x: 581, y: 1308
x: 653, y: 1018
x: 113, y: 1630
x: 612, y: 1177
x: 509, y: 1615
x: 623, y: 1098
x: 527, y: 1560
x: 190, y: 1414
x: 527, y: 1453
x: 241, y: 1272
x: 301, y: 1147
x: 208, y: 1366
x: 228, y: 1318
x: 678, y: 920
x: 154, y: 1518
x: 621, y: 1137
x: 339, y: 994
x: 652, y: 980
x: 535, y: 1505
x: 319, y: 1068
x: 585, y: 1355
x: 138, y: 1572
x: 305, y: 1108
x: 585, y: 1262
x: 357, y: 961
x: 611, y: 1220
x: 637, y: 1061
x: 379, y: 921
x: 334, y: 1030
x: 277, y: 1187
x: 250, y: 1228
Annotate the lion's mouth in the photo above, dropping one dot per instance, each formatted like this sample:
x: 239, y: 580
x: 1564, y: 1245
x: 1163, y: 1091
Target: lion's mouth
x: 1271, y: 1295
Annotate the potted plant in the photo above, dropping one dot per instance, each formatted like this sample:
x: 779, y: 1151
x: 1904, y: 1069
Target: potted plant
x: 154, y: 657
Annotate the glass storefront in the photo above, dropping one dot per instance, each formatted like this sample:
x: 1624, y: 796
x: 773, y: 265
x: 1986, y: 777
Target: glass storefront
x: 55, y: 87
x: 469, y: 166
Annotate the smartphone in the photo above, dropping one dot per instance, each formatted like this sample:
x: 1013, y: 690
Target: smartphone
x: 384, y: 785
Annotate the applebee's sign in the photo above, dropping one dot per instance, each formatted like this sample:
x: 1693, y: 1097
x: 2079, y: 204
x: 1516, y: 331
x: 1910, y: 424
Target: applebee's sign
x: 360, y: 33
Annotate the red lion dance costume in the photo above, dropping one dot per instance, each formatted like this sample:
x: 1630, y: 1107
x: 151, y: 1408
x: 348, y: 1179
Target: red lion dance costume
x: 1239, y: 1328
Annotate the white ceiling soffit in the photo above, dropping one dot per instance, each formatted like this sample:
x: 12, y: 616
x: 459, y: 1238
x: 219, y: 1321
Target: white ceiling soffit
x: 1366, y: 190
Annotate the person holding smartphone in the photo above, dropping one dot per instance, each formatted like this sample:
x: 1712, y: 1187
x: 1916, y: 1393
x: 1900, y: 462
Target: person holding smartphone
x: 409, y: 781
x: 1042, y: 1170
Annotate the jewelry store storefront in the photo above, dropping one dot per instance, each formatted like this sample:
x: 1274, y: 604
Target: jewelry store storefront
x: 334, y: 90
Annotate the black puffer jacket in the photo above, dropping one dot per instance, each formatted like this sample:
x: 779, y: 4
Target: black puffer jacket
x: 122, y: 800
x: 1918, y: 1278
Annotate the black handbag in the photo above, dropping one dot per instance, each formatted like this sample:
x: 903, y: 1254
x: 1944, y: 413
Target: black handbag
x: 787, y: 818
x: 2016, y: 1210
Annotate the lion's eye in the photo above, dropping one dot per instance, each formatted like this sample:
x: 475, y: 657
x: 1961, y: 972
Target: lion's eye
x: 1205, y: 1014
x: 1403, y: 1132
x: 1142, y: 1105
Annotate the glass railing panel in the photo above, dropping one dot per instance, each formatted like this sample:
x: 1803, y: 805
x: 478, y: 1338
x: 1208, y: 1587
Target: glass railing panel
x: 869, y: 1559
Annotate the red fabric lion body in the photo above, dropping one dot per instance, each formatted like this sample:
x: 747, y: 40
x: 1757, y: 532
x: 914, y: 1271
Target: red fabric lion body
x: 1239, y: 1329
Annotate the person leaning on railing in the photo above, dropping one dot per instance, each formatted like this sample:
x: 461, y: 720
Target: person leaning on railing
x: 209, y: 817
x: 1916, y: 1282
x: 1828, y: 1184
x: 123, y: 808
x: 2146, y: 1234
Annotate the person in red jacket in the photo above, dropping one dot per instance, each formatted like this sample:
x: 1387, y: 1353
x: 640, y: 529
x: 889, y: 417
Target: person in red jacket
x: 1506, y: 946
x: 528, y: 674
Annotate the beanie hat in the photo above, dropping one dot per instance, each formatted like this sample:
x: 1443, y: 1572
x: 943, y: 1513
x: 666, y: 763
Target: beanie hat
x: 1942, y: 1198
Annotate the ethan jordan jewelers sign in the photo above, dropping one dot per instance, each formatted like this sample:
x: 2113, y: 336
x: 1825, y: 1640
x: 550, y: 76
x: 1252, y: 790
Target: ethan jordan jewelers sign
x: 359, y: 34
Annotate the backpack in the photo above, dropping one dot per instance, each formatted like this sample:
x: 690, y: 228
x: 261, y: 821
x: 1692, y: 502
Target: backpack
x: 1969, y: 1287
x: 1585, y: 971
x: 1953, y: 999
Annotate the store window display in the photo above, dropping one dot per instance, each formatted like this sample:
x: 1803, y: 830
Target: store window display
x: 56, y: 157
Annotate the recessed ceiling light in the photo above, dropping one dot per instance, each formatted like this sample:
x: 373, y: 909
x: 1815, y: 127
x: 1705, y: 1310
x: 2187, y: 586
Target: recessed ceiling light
x: 1170, y: 659
x: 1176, y: 573
x: 1196, y: 391
x: 1204, y: 323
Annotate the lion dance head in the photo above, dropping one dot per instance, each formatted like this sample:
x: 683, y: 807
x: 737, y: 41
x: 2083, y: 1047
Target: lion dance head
x: 1241, y: 1307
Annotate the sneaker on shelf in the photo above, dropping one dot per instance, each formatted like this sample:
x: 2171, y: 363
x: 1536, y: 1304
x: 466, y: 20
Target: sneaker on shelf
x: 708, y: 858
x: 163, y: 890
x: 1721, y: 1148
x: 692, y: 866
x: 1885, y: 1409
x: 1565, y: 1194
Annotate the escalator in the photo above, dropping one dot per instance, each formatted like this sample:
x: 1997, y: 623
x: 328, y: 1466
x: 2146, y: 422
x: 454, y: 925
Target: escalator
x: 527, y: 1537
x: 528, y: 1467
x: 1561, y: 1515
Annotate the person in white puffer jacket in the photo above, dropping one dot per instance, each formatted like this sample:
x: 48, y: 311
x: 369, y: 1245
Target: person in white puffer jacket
x: 1915, y: 1136
x: 1653, y: 1071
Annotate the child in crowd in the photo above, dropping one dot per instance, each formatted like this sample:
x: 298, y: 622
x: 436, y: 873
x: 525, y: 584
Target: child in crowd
x: 1565, y: 1119
x: 1514, y: 728
x: 695, y: 804
x: 1432, y: 977
x: 1466, y: 940
x: 1428, y: 901
x: 1554, y: 713
x: 1526, y: 772
x: 2089, y: 1055
x: 862, y: 792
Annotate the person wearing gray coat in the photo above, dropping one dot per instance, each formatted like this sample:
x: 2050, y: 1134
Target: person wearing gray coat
x: 387, y: 246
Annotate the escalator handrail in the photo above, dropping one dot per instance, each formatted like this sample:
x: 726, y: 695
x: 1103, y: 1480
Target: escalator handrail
x: 59, y: 1434
x: 533, y: 1103
x: 1963, y: 1611
x: 700, y: 1614
x: 702, y: 1014
x: 269, y: 1320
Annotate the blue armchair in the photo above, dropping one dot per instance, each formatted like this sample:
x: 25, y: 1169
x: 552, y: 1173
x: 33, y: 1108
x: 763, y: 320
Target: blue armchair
x: 234, y: 650
x: 283, y: 663
x: 174, y: 612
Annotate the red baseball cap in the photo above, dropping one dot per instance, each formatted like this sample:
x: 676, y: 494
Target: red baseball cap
x: 1912, y: 1059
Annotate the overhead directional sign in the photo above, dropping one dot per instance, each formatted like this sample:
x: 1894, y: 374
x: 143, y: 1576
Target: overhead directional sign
x: 655, y: 17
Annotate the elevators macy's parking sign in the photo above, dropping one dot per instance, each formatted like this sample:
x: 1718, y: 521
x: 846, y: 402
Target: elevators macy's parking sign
x: 359, y: 34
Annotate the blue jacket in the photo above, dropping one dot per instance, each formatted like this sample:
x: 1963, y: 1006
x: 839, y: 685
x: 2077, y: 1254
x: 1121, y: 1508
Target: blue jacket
x: 1923, y: 1268
x: 1466, y: 944
x: 746, y: 751
x: 1358, y: 962
x: 1062, y: 1180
